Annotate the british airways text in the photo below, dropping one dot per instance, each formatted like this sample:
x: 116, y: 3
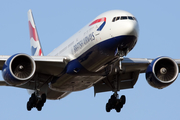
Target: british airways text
x: 84, y: 42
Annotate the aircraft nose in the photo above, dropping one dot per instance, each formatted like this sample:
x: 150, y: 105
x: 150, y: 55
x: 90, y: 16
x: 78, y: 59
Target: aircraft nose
x: 132, y: 28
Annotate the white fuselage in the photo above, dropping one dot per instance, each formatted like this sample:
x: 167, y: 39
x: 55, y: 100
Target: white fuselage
x: 93, y: 47
x: 110, y: 30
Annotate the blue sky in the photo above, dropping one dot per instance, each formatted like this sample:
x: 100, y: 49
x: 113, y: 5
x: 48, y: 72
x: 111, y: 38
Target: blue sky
x: 57, y: 21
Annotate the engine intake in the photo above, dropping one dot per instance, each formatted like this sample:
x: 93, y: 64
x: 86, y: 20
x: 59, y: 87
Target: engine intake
x: 162, y: 72
x: 18, y: 69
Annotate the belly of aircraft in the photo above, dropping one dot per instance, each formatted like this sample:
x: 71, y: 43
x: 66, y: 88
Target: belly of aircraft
x: 104, y: 52
x: 77, y: 76
x: 70, y: 83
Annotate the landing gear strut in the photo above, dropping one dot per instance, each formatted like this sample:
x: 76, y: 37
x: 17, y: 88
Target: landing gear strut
x: 115, y: 103
x: 36, y: 101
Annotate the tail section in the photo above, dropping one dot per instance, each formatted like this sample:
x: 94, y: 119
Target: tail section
x: 36, y: 49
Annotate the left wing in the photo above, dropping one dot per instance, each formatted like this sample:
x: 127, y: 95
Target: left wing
x: 131, y: 68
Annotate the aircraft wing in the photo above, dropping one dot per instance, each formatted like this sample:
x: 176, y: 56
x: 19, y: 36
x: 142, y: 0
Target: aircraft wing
x: 3, y: 59
x: 51, y: 65
x: 46, y: 67
x: 136, y: 64
x: 131, y: 68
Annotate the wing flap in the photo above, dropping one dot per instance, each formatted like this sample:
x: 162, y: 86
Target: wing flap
x: 126, y: 81
x: 136, y: 64
x: 51, y: 65
x: 53, y: 95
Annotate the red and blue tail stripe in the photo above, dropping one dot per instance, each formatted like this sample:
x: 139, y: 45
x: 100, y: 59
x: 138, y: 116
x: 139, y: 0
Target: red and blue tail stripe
x: 33, y: 32
x: 36, y: 49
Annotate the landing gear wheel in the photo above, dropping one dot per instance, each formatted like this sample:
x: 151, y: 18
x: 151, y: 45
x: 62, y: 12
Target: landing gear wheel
x: 40, y: 105
x: 114, y: 103
x: 123, y: 99
x: 29, y: 106
x: 118, y: 107
x: 43, y: 97
x: 35, y: 101
x: 33, y: 98
x: 32, y: 101
x: 108, y: 109
x: 112, y: 100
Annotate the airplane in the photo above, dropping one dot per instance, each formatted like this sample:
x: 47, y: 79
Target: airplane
x: 95, y: 56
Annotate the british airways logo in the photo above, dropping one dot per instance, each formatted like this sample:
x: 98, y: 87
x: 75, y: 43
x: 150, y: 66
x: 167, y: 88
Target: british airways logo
x: 82, y: 43
x: 33, y: 50
x: 35, y: 41
x: 99, y: 20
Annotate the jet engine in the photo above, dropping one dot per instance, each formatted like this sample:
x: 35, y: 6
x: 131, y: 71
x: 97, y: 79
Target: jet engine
x: 18, y: 69
x: 162, y: 72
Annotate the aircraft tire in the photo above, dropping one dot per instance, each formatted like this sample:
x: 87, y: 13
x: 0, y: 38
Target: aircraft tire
x: 29, y: 106
x: 40, y: 105
x: 118, y: 108
x: 108, y: 109
x: 123, y: 99
x: 33, y: 99
x: 43, y: 97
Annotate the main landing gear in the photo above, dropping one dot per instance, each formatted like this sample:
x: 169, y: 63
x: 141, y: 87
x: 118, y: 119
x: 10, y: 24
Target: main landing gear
x: 36, y: 101
x: 115, y: 103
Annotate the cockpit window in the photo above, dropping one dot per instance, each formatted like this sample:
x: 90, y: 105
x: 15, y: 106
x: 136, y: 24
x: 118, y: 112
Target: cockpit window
x: 134, y: 18
x: 123, y: 18
x: 130, y: 18
x: 114, y: 19
x: 117, y: 18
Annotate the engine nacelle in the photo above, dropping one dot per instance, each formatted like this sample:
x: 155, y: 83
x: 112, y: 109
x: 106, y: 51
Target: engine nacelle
x: 162, y: 72
x: 18, y: 69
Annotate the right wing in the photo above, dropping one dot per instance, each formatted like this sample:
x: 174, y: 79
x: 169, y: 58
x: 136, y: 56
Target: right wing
x: 42, y: 68
x: 51, y: 65
x: 47, y: 67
